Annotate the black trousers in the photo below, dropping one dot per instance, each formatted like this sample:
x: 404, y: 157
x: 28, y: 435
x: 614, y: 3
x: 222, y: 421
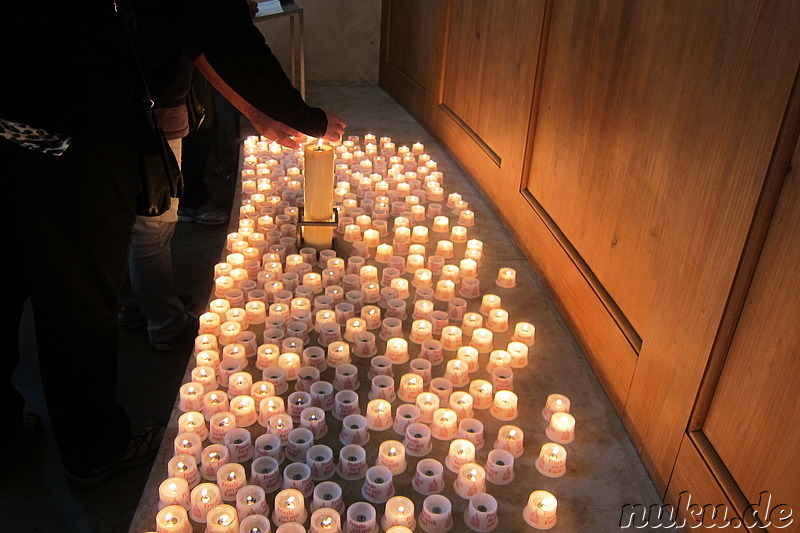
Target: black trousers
x: 65, y: 242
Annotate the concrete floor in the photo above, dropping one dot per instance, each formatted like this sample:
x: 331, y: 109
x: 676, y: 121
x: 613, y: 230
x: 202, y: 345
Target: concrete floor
x: 604, y: 473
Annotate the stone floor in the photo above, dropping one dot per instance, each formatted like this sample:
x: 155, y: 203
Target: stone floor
x: 604, y: 473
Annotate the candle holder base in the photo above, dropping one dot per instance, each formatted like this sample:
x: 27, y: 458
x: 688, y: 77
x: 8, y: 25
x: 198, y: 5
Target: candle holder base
x: 317, y: 241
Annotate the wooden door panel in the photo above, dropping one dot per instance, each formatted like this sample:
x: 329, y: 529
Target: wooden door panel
x: 752, y: 418
x: 486, y: 91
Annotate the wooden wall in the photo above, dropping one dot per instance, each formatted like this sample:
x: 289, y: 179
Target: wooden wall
x: 639, y: 150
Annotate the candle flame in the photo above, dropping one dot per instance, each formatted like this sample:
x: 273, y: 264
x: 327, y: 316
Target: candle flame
x: 224, y: 520
x: 319, y: 143
x: 512, y: 434
x: 401, y: 509
x: 204, y: 496
x: 182, y: 466
x: 392, y: 451
x: 172, y: 487
x: 327, y: 522
x: 290, y: 502
x: 214, y: 456
x: 231, y: 476
x: 170, y: 518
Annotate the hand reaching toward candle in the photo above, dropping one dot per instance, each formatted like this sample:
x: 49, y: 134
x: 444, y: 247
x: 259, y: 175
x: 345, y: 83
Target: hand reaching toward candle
x: 336, y: 126
x: 274, y: 130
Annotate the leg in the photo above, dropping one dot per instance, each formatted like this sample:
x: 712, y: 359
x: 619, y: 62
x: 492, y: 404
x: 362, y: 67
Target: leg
x: 150, y: 272
x: 80, y: 206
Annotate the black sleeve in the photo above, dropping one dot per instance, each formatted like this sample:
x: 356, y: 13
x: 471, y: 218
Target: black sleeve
x: 224, y: 32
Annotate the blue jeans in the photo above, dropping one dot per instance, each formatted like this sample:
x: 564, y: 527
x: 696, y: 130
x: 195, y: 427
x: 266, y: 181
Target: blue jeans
x: 149, y: 292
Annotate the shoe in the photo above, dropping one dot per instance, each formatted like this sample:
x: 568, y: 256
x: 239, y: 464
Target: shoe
x: 183, y: 340
x: 31, y: 427
x: 139, y: 323
x: 207, y: 215
x: 142, y: 449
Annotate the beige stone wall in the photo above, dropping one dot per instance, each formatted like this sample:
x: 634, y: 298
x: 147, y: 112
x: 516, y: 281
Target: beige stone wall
x: 342, y: 39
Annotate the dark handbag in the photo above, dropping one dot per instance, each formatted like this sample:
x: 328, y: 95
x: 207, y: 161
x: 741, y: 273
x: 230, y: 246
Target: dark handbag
x: 160, y: 173
x: 195, y: 110
x: 158, y: 168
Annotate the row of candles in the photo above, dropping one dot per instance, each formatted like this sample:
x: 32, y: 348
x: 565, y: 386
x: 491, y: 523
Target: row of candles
x: 285, y: 292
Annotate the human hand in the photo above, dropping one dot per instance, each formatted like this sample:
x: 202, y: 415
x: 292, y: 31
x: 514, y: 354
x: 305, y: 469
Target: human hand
x: 336, y: 125
x: 274, y: 130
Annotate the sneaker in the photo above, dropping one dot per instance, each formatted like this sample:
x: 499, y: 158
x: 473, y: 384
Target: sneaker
x: 183, y: 340
x: 31, y: 427
x: 207, y: 215
x: 142, y: 449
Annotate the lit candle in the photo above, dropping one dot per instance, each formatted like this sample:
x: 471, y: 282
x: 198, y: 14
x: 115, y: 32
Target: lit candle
x: 444, y: 248
x: 445, y: 424
x: 461, y: 403
x: 421, y: 330
x: 471, y: 480
x: 555, y: 403
x: 318, y: 194
x: 498, y: 359
x: 525, y: 333
x: 204, y: 497
x: 458, y: 234
x: 481, y: 340
x: 399, y: 512
x: 173, y: 491
x: 379, y: 415
x: 427, y: 403
x: 173, y: 519
x: 220, y: 424
x: 470, y: 323
x: 519, y: 354
x: 209, y: 358
x: 489, y: 302
x: 504, y: 406
x: 213, y: 458
x: 410, y: 387
x: 326, y: 520
x: 251, y: 500
x: 461, y: 452
x: 392, y: 455
x: 540, y: 512
x: 289, y: 362
x: 469, y: 356
x: 191, y: 396
x: 215, y: 401
x: 280, y: 425
x: 185, y: 466
x: 552, y: 460
x: 511, y: 439
x: 561, y: 428
x: 193, y: 422
x: 243, y: 408
x: 209, y: 324
x: 267, y: 356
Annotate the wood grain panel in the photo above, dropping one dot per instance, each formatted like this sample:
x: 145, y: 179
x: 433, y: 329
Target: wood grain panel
x: 748, y: 422
x: 486, y: 89
x: 684, y: 209
x: 692, y: 487
x: 410, y: 33
x: 639, y: 142
x: 605, y: 345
